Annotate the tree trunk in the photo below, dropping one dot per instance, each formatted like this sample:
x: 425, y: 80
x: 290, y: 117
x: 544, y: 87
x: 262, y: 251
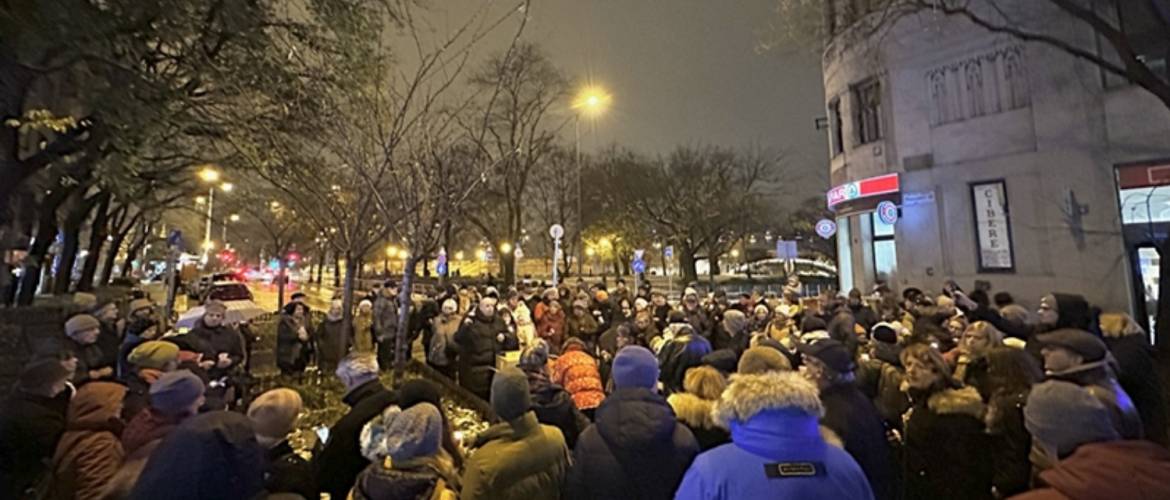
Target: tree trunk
x: 402, y: 347
x: 686, y: 257
x: 712, y: 265
x: 349, y: 270
x: 347, y: 292
x: 281, y: 278
x: 45, y: 236
x: 111, y: 257
x: 507, y: 268
x: 98, y: 232
x: 135, y: 247
x: 71, y: 243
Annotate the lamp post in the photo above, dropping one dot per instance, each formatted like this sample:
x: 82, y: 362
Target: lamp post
x: 210, y: 176
x: 591, y: 101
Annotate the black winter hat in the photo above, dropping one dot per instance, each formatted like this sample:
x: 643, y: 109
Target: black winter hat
x: 812, y: 324
x: 830, y: 352
x: 676, y: 317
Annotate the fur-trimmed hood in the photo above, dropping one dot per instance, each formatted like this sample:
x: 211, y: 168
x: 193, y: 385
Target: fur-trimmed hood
x: 693, y: 410
x: 751, y: 394
x: 965, y: 401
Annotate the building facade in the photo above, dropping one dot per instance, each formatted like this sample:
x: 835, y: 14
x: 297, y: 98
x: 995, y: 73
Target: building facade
x: 1002, y: 161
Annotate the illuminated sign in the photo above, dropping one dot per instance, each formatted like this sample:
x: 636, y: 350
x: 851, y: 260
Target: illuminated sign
x: 888, y: 212
x: 872, y: 186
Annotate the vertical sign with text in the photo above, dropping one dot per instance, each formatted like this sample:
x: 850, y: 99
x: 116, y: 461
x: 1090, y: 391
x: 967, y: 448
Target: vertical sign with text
x: 993, y: 233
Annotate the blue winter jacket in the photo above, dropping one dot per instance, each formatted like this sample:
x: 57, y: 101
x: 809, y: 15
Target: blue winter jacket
x: 775, y: 454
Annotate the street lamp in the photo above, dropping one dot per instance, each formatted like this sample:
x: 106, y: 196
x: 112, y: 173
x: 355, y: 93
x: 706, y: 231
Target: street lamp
x: 591, y: 101
x: 505, y: 248
x: 210, y: 176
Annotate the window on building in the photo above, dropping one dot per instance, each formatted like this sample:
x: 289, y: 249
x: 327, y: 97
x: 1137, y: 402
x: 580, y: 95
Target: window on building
x: 835, y: 127
x: 940, y: 98
x: 973, y: 79
x: 1015, y: 85
x: 867, y: 111
x: 844, y: 255
x: 885, y: 257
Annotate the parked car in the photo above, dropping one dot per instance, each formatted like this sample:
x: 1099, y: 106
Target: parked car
x: 199, y: 288
x: 225, y: 291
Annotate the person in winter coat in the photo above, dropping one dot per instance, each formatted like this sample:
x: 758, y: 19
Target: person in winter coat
x: 294, y: 344
x: 110, y: 337
x: 480, y: 339
x: 31, y: 423
x: 273, y: 415
x: 1080, y: 357
x: 211, y: 456
x: 386, y: 323
x: 776, y: 449
x: 702, y: 387
x: 862, y: 313
x: 137, y: 332
x: 441, y: 354
x: 223, y: 344
x: 363, y: 327
x: 332, y: 340
x: 946, y: 453
x: 1011, y: 375
x: 341, y: 460
x: 684, y: 349
x: 1137, y: 373
x: 552, y: 327
x: 581, y: 324
x: 660, y: 309
x: 551, y: 402
x: 694, y: 314
x: 81, y: 334
x: 645, y: 328
x: 174, y: 397
x: 407, y: 462
x: 519, y: 459
x: 733, y: 332
x: 636, y: 449
x: 149, y: 361
x: 1082, y: 454
x: 971, y: 364
x: 525, y: 325
x: 511, y: 342
x: 880, y: 377
x: 89, y: 452
x: 578, y: 373
x: 849, y: 414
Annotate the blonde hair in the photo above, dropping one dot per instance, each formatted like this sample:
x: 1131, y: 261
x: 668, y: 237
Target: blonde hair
x: 994, y: 336
x: 704, y: 382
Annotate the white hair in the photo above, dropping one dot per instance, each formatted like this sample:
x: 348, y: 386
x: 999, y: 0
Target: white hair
x: 357, y: 366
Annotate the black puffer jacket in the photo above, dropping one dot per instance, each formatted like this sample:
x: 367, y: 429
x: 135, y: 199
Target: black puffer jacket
x: 478, y: 347
x: 287, y: 472
x: 30, y: 426
x: 1011, y: 443
x: 853, y: 417
x: 636, y: 450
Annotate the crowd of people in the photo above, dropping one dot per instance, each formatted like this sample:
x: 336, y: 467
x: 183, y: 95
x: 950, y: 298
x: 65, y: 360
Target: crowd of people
x: 615, y: 393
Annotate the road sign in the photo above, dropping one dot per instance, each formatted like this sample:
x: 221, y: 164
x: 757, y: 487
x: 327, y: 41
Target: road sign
x: 557, y: 231
x: 638, y: 254
x: 786, y: 249
x: 826, y: 228
x: 519, y: 253
x: 639, y: 266
x: 175, y: 238
x: 668, y: 252
x: 888, y: 212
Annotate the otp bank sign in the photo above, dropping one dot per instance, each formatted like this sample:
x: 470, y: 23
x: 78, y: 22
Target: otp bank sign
x: 872, y: 186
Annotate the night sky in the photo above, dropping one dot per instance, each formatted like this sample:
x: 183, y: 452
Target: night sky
x: 686, y: 72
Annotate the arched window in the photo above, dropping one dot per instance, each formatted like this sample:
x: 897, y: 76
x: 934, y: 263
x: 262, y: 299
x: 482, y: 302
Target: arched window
x: 973, y: 78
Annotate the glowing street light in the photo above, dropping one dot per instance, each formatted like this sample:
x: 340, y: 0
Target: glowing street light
x: 234, y: 218
x: 459, y: 255
x: 590, y: 251
x: 209, y: 175
x: 734, y: 253
x: 391, y: 251
x: 199, y: 200
x: 208, y: 245
x: 592, y: 101
x: 481, y: 254
x: 227, y: 187
x: 505, y: 248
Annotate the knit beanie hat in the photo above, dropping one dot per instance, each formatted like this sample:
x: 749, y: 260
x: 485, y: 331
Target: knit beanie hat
x: 1063, y: 415
x: 761, y: 359
x: 40, y: 373
x: 85, y: 301
x: 403, y: 435
x: 509, y: 396
x: 137, y: 304
x: 720, y: 359
x: 153, y: 354
x: 175, y: 391
x: 884, y: 332
x: 81, y: 323
x: 418, y: 390
x: 534, y: 357
x: 274, y: 412
x: 812, y: 324
x: 734, y: 321
x: 635, y: 366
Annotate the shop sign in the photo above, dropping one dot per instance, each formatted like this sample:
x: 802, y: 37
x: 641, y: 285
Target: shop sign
x: 826, y: 228
x: 888, y: 212
x: 912, y: 198
x: 992, y: 226
x: 872, y: 186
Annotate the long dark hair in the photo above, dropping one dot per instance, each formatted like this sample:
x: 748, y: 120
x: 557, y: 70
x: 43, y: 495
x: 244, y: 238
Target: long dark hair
x: 1012, y: 371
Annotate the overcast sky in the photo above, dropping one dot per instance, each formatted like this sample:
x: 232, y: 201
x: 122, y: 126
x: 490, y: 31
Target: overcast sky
x: 683, y: 72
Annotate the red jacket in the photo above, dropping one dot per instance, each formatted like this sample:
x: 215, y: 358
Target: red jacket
x: 1115, y: 470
